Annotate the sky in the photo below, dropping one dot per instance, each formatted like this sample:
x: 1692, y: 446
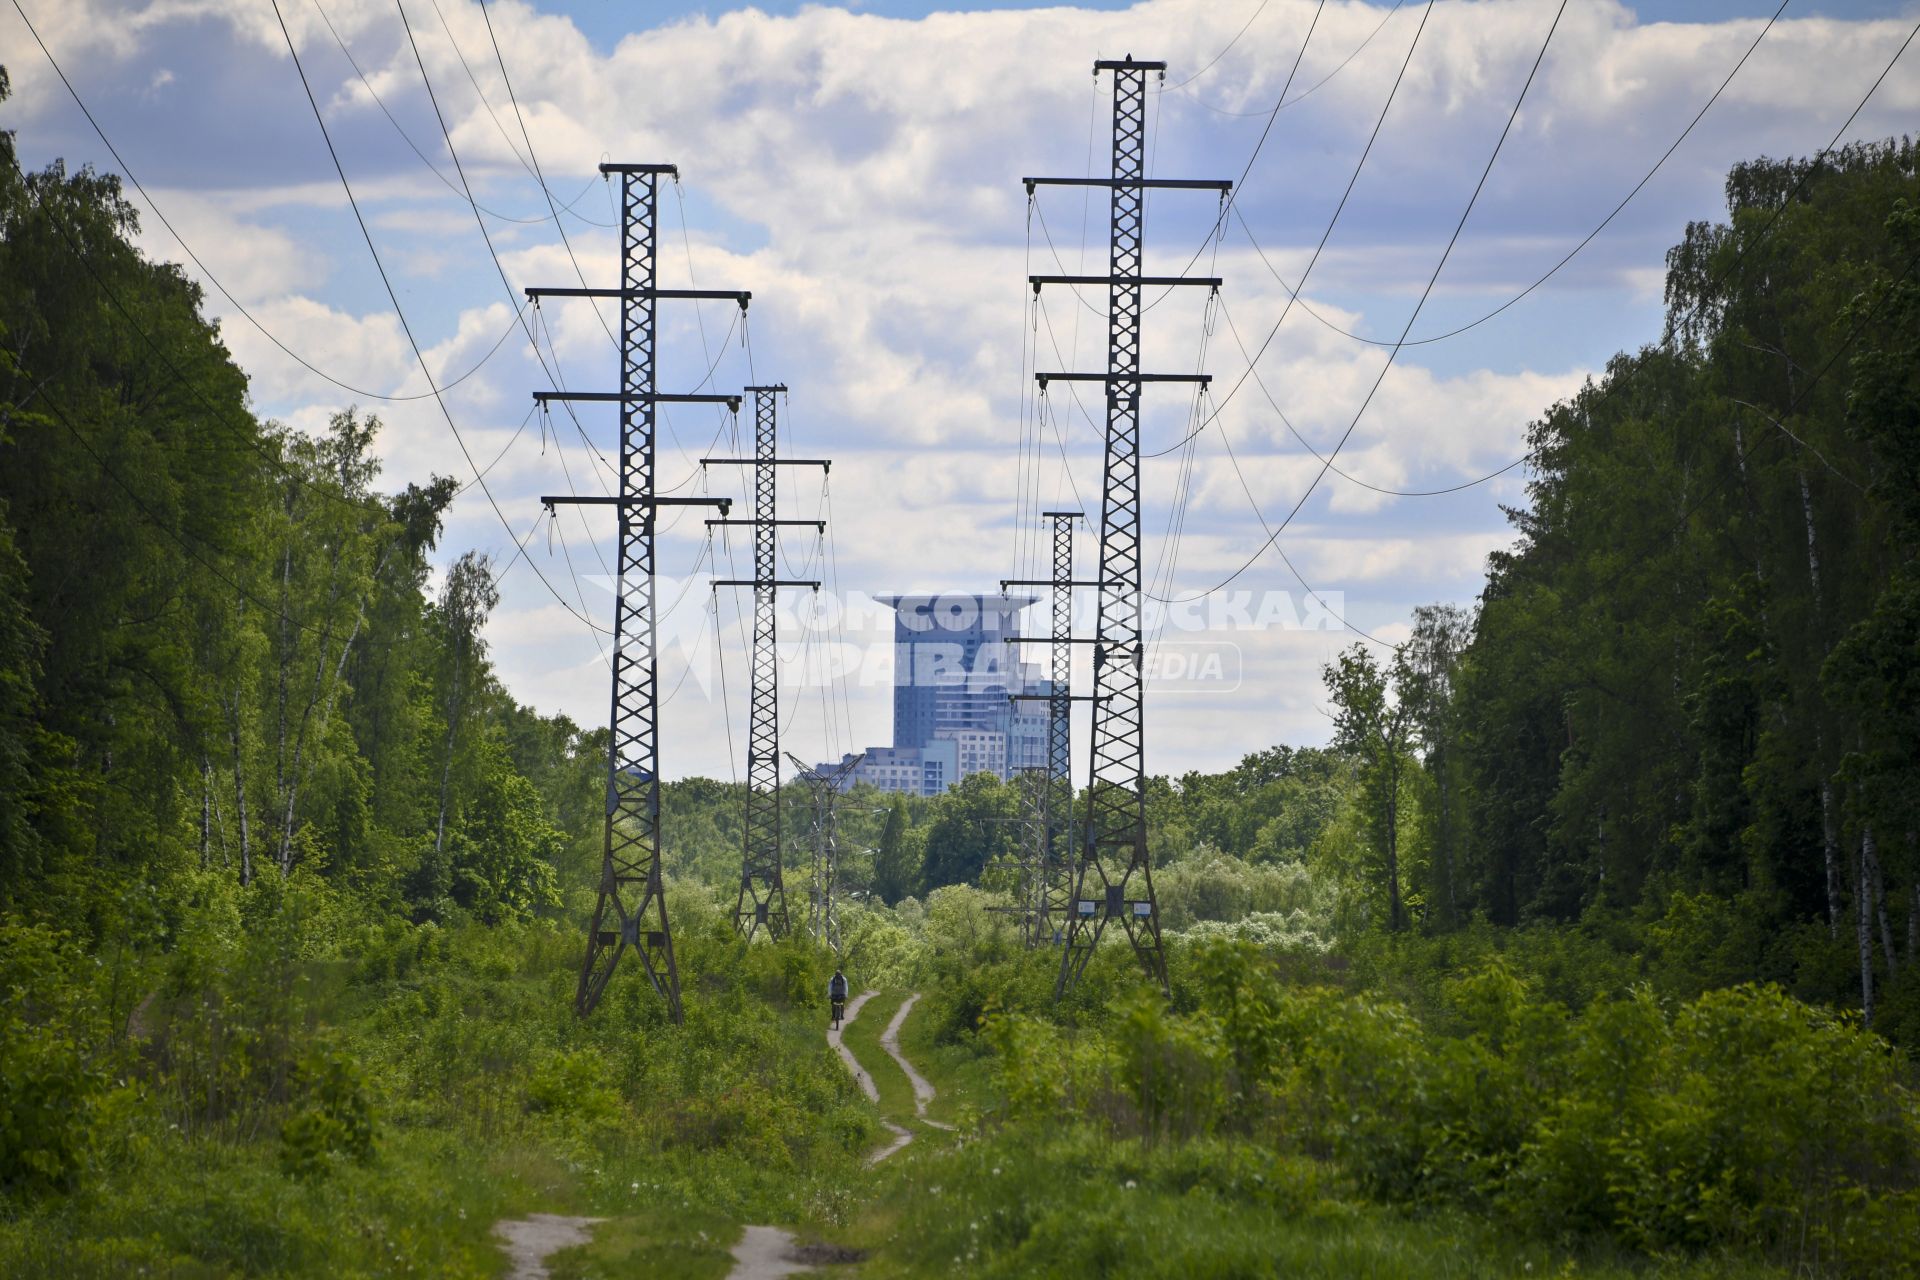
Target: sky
x: 858, y: 169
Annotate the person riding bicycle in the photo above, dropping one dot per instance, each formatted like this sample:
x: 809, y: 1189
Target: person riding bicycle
x: 837, y: 996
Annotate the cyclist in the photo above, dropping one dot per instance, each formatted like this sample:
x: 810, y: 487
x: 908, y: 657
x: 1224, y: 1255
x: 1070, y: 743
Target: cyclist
x: 837, y: 996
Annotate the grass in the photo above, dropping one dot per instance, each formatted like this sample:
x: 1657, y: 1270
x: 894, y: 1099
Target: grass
x: 205, y: 1208
x: 1069, y: 1204
x: 862, y: 1036
x: 692, y: 1244
x: 961, y: 1076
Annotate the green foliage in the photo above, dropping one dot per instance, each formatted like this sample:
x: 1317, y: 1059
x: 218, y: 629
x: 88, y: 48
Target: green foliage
x: 59, y: 1101
x: 1073, y: 1202
x: 1741, y: 1120
x: 335, y: 1119
x: 974, y: 825
x: 1702, y: 700
x: 896, y: 872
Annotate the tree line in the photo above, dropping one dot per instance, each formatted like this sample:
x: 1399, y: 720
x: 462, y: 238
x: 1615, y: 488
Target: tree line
x: 221, y: 642
x: 1696, y: 674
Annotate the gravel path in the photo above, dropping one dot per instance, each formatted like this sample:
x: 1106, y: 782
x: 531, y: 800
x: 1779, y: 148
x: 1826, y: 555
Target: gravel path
x: 901, y: 1136
x: 529, y: 1240
x: 860, y: 1077
x: 923, y: 1091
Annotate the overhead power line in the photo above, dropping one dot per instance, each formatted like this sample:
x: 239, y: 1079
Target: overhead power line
x: 1274, y: 535
x: 392, y: 296
x: 413, y: 146
x: 500, y: 270
x: 1570, y: 254
x: 187, y: 543
x: 1739, y: 261
x: 1308, y: 92
x: 1225, y: 49
x: 160, y: 213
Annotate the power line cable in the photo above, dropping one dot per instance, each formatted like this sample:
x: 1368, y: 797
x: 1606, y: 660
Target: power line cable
x: 424, y: 159
x: 160, y: 213
x: 1350, y: 478
x: 538, y: 175
x: 1227, y: 199
x: 393, y: 296
x: 1285, y: 101
x: 499, y: 267
x: 1571, y: 253
x: 1739, y: 260
x: 1225, y: 50
x: 1427, y: 292
x: 186, y: 542
x: 533, y: 168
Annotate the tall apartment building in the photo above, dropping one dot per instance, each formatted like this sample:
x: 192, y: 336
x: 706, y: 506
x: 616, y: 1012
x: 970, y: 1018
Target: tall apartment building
x: 956, y: 663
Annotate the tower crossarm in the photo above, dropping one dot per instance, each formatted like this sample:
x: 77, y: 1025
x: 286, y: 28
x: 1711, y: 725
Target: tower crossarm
x: 1153, y: 282
x: 644, y: 397
x: 552, y: 500
x: 821, y: 525
x: 825, y: 464
x: 813, y: 583
x: 1134, y: 184
x: 680, y: 295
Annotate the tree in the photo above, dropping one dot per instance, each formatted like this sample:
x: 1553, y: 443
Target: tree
x: 502, y: 850
x: 1428, y: 667
x: 973, y: 825
x: 467, y: 598
x: 893, y: 875
x: 1376, y: 724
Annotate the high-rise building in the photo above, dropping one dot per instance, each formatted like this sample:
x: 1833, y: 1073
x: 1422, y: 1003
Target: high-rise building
x: 957, y: 664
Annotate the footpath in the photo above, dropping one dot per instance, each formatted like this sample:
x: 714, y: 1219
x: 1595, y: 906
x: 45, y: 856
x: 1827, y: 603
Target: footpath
x: 766, y: 1253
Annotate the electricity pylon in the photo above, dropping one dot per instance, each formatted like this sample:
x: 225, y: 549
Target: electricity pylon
x: 631, y: 889
x: 1046, y: 886
x: 762, y: 900
x: 1113, y: 854
x: 823, y: 789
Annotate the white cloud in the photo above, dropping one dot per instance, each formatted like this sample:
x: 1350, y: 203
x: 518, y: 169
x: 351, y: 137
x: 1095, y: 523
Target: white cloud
x: 859, y: 174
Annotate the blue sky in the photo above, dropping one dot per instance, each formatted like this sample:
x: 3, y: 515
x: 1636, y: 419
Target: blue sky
x: 858, y: 170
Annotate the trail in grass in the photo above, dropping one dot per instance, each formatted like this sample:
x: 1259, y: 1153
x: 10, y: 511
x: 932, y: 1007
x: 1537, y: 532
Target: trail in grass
x: 765, y: 1253
x: 901, y: 1136
x: 923, y: 1090
x: 529, y: 1240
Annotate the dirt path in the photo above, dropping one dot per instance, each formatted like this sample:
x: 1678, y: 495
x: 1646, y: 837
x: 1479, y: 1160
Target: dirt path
x: 765, y: 1253
x: 923, y: 1091
x: 529, y: 1240
x: 860, y: 1076
x: 901, y: 1136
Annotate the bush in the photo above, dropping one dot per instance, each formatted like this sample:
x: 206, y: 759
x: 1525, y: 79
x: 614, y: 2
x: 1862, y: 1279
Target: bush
x: 1741, y: 1120
x: 59, y: 1100
x: 335, y: 1120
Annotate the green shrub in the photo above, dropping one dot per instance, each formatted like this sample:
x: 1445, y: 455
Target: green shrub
x: 1741, y: 1120
x: 335, y: 1120
x: 59, y: 1099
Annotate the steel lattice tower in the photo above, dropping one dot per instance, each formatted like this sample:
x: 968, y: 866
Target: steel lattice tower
x: 1113, y: 855
x: 762, y: 900
x: 1046, y: 891
x: 632, y: 907
x: 823, y: 790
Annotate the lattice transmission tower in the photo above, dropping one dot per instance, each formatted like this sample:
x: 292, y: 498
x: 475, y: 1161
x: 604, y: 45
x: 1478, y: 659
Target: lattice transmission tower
x: 762, y: 900
x: 632, y: 908
x: 1113, y: 855
x: 1046, y: 879
x: 824, y: 785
